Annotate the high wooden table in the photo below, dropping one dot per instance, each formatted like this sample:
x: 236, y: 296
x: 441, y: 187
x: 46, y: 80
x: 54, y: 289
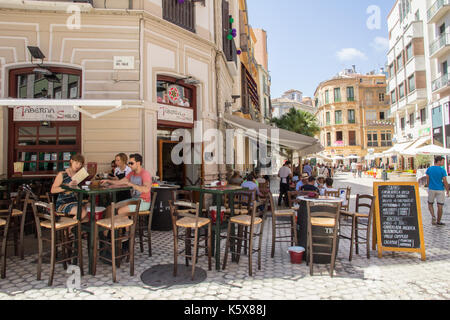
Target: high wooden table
x: 217, y: 193
x: 92, y: 192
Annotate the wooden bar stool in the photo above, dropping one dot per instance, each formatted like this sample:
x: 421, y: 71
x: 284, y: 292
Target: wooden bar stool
x: 147, y: 214
x: 4, y: 224
x: 45, y: 217
x: 246, y: 221
x: 360, y: 218
x: 17, y: 221
x: 188, y: 222
x: 291, y: 225
x: 325, y: 216
x: 113, y: 224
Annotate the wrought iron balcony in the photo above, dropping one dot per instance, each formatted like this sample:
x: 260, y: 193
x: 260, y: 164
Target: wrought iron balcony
x: 440, y: 43
x: 440, y: 83
x: 434, y: 12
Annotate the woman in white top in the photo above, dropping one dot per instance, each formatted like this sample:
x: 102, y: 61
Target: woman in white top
x: 121, y: 171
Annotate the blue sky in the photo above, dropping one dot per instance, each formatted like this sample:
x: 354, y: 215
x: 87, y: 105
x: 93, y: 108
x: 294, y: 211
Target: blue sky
x: 310, y: 41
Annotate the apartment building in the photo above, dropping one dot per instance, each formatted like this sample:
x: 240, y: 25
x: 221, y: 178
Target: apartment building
x: 291, y: 99
x: 409, y: 76
x: 438, y: 21
x: 352, y: 115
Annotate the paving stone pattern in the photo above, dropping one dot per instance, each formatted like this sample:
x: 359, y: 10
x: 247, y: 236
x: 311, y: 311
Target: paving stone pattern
x: 395, y: 276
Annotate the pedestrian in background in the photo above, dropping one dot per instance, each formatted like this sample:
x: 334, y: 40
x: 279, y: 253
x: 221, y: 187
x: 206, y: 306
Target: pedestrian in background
x: 437, y: 185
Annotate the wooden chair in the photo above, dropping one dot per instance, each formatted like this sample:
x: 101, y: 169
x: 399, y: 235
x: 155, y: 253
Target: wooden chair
x: 290, y: 225
x: 59, y: 227
x: 189, y: 221
x: 250, y: 221
x: 326, y: 217
x: 292, y: 197
x: 346, y: 204
x: 17, y: 221
x: 332, y: 193
x: 366, y: 224
x: 4, y: 224
x: 147, y: 214
x: 113, y: 224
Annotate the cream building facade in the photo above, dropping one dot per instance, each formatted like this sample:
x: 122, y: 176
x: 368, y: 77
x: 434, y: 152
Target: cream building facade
x: 139, y: 54
x: 352, y: 115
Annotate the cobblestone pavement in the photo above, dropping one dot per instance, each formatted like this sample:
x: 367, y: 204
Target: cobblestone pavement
x: 394, y: 276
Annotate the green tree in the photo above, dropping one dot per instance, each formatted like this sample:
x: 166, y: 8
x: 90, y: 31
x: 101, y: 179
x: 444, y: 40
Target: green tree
x: 298, y: 121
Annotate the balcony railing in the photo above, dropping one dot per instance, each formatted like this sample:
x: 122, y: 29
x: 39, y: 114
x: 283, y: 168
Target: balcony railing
x: 442, y: 41
x: 181, y: 14
x: 438, y: 5
x: 440, y: 83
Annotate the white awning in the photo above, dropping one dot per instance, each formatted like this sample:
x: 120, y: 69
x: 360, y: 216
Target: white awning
x: 412, y: 150
x: 77, y: 104
x: 433, y: 150
x: 302, y: 144
x: 398, y: 148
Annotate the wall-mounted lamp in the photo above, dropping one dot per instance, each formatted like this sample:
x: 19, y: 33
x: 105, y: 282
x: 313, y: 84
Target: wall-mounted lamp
x: 36, y: 53
x: 235, y: 97
x: 188, y: 80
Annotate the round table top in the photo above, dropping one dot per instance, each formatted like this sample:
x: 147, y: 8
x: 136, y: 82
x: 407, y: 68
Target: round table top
x: 321, y: 199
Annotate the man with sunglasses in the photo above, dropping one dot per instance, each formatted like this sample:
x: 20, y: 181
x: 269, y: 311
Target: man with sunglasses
x: 140, y: 180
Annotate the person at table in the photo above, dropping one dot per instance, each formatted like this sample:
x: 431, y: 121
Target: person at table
x: 302, y: 182
x: 120, y: 172
x: 67, y: 202
x: 250, y: 184
x: 309, y: 186
x: 141, y: 182
x: 329, y: 185
x: 236, y: 179
x: 113, y: 168
x: 320, y: 184
x: 437, y: 186
x: 285, y: 174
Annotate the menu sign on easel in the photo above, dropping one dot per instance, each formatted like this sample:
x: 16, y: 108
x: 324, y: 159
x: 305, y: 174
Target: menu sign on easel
x: 398, y: 217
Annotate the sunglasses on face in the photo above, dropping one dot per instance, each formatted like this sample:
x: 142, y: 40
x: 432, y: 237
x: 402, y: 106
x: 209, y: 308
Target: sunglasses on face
x: 131, y: 163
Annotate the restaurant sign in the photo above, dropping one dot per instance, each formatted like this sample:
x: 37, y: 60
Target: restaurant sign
x: 175, y: 114
x: 45, y: 113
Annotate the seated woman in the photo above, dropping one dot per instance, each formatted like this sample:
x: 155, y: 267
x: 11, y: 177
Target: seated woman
x: 67, y: 202
x: 236, y: 179
x: 321, y: 185
x: 120, y: 172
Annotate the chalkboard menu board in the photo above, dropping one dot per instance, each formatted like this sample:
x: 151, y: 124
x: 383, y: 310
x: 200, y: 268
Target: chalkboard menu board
x: 398, y: 217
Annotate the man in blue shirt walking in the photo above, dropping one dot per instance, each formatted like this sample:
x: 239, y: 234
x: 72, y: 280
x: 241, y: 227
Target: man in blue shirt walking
x: 437, y: 185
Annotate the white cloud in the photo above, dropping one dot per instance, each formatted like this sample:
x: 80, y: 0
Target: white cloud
x: 349, y: 54
x: 380, y: 44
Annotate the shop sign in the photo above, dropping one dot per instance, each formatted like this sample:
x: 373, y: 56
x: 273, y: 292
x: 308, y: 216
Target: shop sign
x: 49, y: 113
x: 175, y: 114
x: 424, y: 132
